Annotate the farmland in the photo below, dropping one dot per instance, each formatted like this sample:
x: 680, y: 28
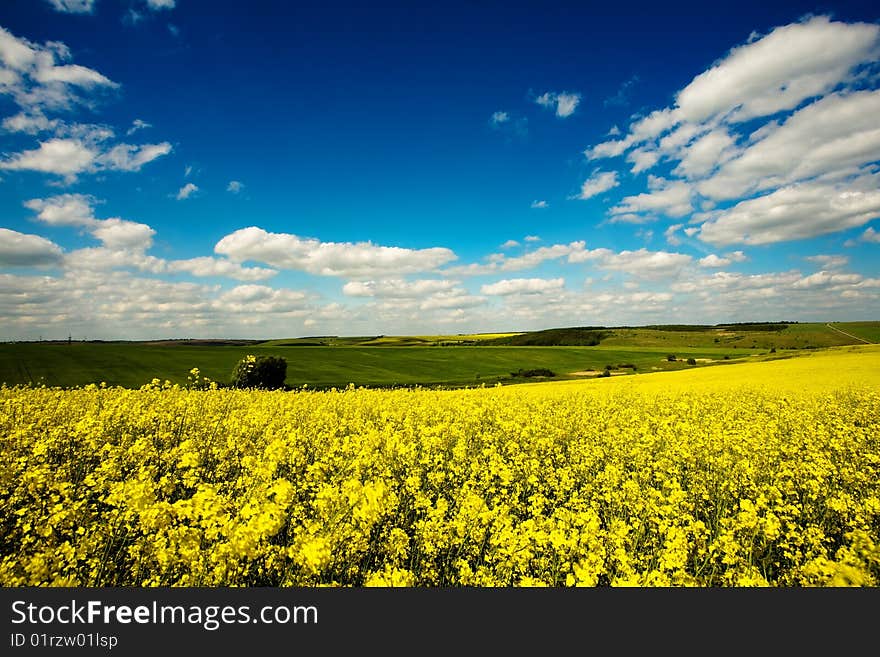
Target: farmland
x: 757, y: 474
x: 446, y: 360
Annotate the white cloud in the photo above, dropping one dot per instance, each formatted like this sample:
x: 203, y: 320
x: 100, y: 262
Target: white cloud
x: 598, y: 183
x: 774, y: 73
x: 642, y: 263
x: 725, y: 137
x: 397, y: 288
x: 670, y: 234
x: 510, y: 244
x: 779, y: 71
x: 499, y: 118
x: 539, y: 204
x: 206, y: 266
x: 128, y: 157
x: 498, y: 262
x: 565, y: 103
x: 77, y: 210
x: 523, y: 286
x: 65, y: 157
x: 36, y: 77
x: 118, y: 233
x: 672, y: 198
x: 73, y: 6
x: 642, y: 159
x: 136, y: 125
x: 64, y: 210
x: 71, y: 157
x: 713, y: 260
x: 826, y: 279
x: 186, y: 191
x: 838, y: 132
x: 798, y: 211
x: 39, y: 78
x: 532, y: 238
x: 156, y: 5
x: 705, y: 154
x: 353, y: 260
x: 24, y: 250
x: 870, y: 236
x: 451, y: 300
x: 31, y: 124
x: 234, y: 186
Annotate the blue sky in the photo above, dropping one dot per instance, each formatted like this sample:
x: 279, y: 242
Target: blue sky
x: 183, y: 168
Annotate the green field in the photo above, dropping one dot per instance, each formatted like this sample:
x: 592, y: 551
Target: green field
x: 447, y: 360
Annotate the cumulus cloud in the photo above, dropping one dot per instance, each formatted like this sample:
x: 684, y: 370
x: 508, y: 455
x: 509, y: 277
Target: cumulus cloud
x: 352, y: 260
x: 31, y: 124
x: 773, y: 73
x: 672, y: 198
x: 234, y: 186
x: 523, y: 286
x: 539, y: 205
x: 836, y: 133
x: 124, y: 243
x: 564, y: 103
x: 778, y: 117
x: 510, y: 244
x: 397, y: 288
x: 64, y: 210
x: 37, y: 77
x: 78, y: 210
x: 642, y: 263
x: 24, y: 250
x: 186, y: 191
x: 39, y: 80
x: 779, y: 71
x: 65, y: 157
x: 599, y: 182
x: 156, y: 5
x: 713, y: 261
x: 797, y: 211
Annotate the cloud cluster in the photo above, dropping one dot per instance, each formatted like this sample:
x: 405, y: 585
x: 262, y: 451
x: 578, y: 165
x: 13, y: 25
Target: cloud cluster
x: 124, y: 244
x: 346, y: 259
x: 40, y: 81
x: 781, y: 126
x: 564, y: 103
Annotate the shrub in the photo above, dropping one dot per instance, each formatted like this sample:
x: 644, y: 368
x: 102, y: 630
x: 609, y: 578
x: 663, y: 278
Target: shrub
x: 671, y: 358
x: 535, y: 372
x: 266, y: 372
x: 691, y: 361
x: 605, y: 373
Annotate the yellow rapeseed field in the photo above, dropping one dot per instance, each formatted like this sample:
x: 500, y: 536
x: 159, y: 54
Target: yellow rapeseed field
x: 739, y: 475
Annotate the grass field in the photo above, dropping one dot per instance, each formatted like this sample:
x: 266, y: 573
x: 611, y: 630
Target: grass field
x: 132, y: 364
x: 447, y: 360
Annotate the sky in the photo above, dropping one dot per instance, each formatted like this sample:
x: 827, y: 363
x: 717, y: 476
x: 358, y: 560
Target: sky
x: 269, y: 169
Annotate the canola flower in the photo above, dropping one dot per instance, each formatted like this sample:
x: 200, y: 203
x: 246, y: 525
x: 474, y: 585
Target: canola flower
x: 584, y: 484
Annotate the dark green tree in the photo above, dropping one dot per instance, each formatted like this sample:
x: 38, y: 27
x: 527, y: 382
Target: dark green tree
x: 266, y: 372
